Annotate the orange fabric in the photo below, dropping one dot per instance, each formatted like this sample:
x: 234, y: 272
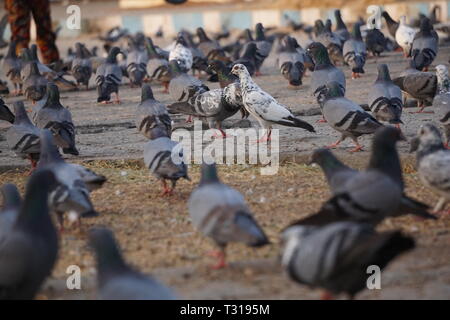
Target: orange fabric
x: 20, y: 12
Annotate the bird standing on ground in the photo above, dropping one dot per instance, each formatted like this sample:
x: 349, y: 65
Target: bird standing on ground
x: 425, y: 45
x: 355, y: 53
x: 220, y: 212
x: 264, y: 107
x: 341, y: 29
x: 81, y: 66
x: 291, y: 62
x: 346, y: 116
x: 405, y: 36
x: 181, y: 54
x: 108, y: 78
x: 34, y: 84
x: 183, y: 86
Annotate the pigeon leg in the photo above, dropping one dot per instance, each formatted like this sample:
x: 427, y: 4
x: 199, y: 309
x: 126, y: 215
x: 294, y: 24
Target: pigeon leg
x: 425, y: 69
x: 222, y: 134
x: 117, y: 99
x: 258, y: 73
x: 326, y: 295
x: 189, y: 119
x: 334, y: 145
x: 166, y: 87
x: 60, y: 219
x: 220, y: 256
x: 421, y: 109
x: 166, y: 191
x: 33, y: 165
x: 446, y: 145
x: 321, y: 120
x: 358, y: 147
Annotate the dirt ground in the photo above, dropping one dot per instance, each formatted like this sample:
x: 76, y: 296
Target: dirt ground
x: 156, y: 233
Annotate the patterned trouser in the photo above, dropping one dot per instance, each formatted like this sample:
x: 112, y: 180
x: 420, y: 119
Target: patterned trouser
x: 20, y: 12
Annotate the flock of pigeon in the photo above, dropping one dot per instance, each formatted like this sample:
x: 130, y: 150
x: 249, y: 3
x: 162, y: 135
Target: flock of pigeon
x: 330, y: 249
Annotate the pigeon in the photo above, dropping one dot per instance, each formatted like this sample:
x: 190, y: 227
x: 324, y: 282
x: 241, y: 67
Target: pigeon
x: 34, y: 85
x: 391, y: 24
x: 441, y: 102
x: 214, y: 106
x: 220, y: 212
x: 346, y: 116
x: 291, y: 62
x: 405, y: 36
x: 136, y: 63
x: 433, y: 161
x: 419, y: 85
x: 341, y: 29
x: 81, y: 66
x: 118, y: 281
x: 114, y: 35
x: 336, y: 257
x: 108, y: 77
x: 324, y: 72
x: 224, y: 75
x: 164, y: 158
x: 425, y: 45
x: 385, y: 98
x: 5, y: 113
x: 263, y: 47
x: 181, y: 54
x: 12, y: 66
x: 151, y: 113
x: 337, y: 175
x: 183, y: 86
x: 248, y: 58
x: 264, y: 107
x: 23, y: 136
x: 3, y: 24
x: 199, y: 60
x: 70, y: 194
x: 157, y: 65
x: 12, y: 202
x: 330, y: 40
x: 206, y: 45
x: 375, y: 41
x: 355, y: 53
x: 53, y: 116
x: 29, y: 248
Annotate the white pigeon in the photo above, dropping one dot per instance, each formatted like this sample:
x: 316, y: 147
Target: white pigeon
x: 182, y: 54
x: 263, y: 106
x: 405, y: 36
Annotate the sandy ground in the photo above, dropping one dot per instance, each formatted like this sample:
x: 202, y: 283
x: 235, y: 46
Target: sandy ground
x: 156, y: 234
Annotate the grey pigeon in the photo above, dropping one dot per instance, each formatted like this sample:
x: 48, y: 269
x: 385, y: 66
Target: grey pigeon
x: 12, y: 66
x: 291, y: 62
x: 375, y: 41
x: 324, y: 72
x: 5, y: 113
x: 336, y: 257
x: 199, y: 60
x: 337, y: 175
x: 421, y: 86
x: 371, y: 195
x: 391, y: 23
x: 12, y: 202
x: 70, y: 194
x: 136, y: 63
x: 151, y: 113
x: 263, y: 47
x: 385, y: 98
x: 53, y: 116
x: 157, y: 65
x: 346, y: 116
x: 181, y: 54
x: 108, y: 77
x: 34, y: 84
x: 164, y: 158
x: 183, y: 86
x: 355, y: 52
x: 23, y: 136
x: 29, y: 248
x: 81, y: 66
x: 206, y: 45
x: 441, y: 102
x: 220, y: 212
x: 224, y: 75
x: 330, y: 40
x: 425, y: 45
x: 341, y: 29
x: 248, y: 58
x: 116, y: 280
x: 433, y: 162
x: 264, y: 107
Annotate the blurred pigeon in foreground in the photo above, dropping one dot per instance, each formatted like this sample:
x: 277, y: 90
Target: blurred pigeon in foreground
x: 336, y: 257
x: 118, y: 281
x: 29, y: 248
x: 220, y: 212
x: 11, y: 206
x: 5, y: 113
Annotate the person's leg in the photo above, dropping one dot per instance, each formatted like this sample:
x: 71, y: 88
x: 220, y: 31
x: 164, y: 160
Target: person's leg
x: 45, y: 36
x: 19, y: 21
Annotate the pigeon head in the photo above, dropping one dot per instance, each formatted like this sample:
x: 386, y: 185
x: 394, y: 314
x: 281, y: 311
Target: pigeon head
x: 202, y: 36
x: 428, y: 139
x: 33, y: 52
x: 174, y: 67
x: 217, y: 66
x: 340, y: 25
x: 147, y: 92
x: 181, y: 40
x: 21, y: 116
x: 52, y: 94
x: 356, y: 32
x: 333, y: 90
x: 248, y: 35
x: 318, y: 52
x: 319, y: 27
x: 425, y: 25
x: 328, y: 25
x: 11, y: 196
x: 383, y: 72
x: 109, y: 258
x: 79, y: 50
x: 112, y: 54
x: 208, y: 173
x: 259, y: 32
x: 239, y: 70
